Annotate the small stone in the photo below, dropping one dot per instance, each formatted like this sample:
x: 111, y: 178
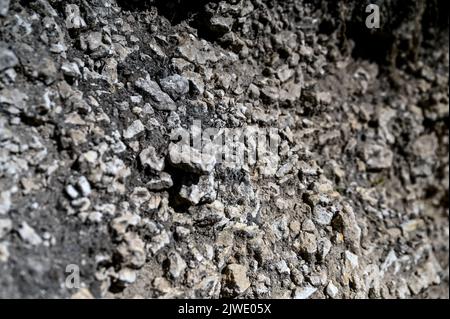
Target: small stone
x: 306, y: 51
x: 134, y: 129
x: 307, y: 243
x: 304, y: 292
x: 236, y: 281
x: 425, y: 146
x: 196, y: 81
x: 94, y: 40
x: 181, y: 65
x: 411, y: 225
x: 332, y: 290
x: 84, y: 186
x: 7, y: 58
x: 345, y: 222
x: 282, y: 267
x: 5, y: 227
x: 162, y: 181
x: 82, y: 204
x: 352, y: 259
x: 110, y: 71
x: 295, y: 227
x: 284, y: 73
x: 162, y: 285
x: 140, y: 195
x: 159, y: 241
x: 176, y: 264
x: 253, y: 91
x: 29, y: 235
x: 132, y: 250
x: 425, y: 276
x: 5, y: 202
x: 161, y: 100
x: 176, y: 86
x: 308, y: 226
x: 126, y: 276
x: 220, y: 25
x: 120, y: 224
x: 82, y: 293
x: 47, y: 70
x: 190, y: 159
x: 156, y: 50
x: 4, y: 7
x: 148, y: 157
x: 324, y: 247
x: 322, y: 216
x: 13, y: 98
x: 270, y: 94
x: 71, y: 69
x: 203, y: 192
x: 73, y: 17
x: 4, y: 253
x: 377, y: 156
x: 136, y: 99
x: 72, y: 192
x: 323, y: 98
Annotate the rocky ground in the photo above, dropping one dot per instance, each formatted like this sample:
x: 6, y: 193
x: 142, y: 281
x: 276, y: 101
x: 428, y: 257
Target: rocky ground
x: 92, y: 93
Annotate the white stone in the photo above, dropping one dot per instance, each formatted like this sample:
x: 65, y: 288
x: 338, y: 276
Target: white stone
x: 149, y: 157
x: 191, y: 159
x: 29, y: 235
x: 322, y: 216
x: 4, y: 253
x: 71, y: 191
x: 352, y: 259
x: 5, y: 202
x: 332, y: 290
x: 127, y: 275
x: 304, y: 292
x: 283, y: 268
x: 4, y: 7
x: 71, y: 69
x: 176, y: 264
x: 84, y: 186
x: 159, y: 241
x: 134, y: 129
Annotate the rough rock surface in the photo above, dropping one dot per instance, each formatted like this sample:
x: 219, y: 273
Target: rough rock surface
x: 353, y: 204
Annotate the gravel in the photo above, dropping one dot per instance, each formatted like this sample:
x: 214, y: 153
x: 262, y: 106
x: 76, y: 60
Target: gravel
x: 116, y: 153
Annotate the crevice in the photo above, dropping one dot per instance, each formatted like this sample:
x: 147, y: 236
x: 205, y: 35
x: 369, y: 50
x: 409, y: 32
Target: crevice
x: 180, y: 178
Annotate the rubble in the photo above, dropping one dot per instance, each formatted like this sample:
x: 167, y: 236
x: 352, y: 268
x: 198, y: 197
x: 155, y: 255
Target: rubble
x: 160, y: 100
x: 235, y: 280
x: 341, y: 194
x: 191, y: 159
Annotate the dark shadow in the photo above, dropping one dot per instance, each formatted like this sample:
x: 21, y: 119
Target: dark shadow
x: 175, y: 11
x: 405, y: 27
x: 179, y: 177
